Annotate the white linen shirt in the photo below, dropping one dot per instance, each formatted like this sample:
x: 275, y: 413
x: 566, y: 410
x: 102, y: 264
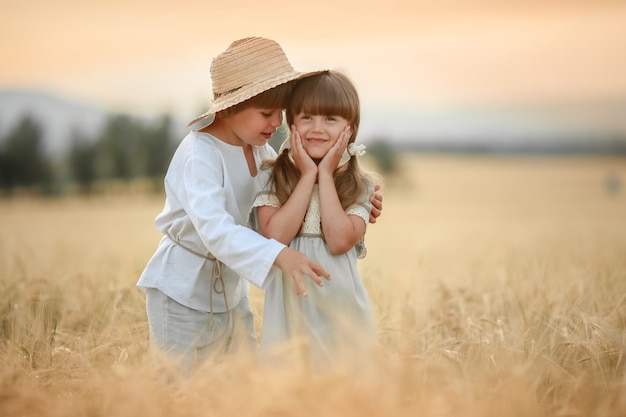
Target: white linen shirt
x: 209, y: 193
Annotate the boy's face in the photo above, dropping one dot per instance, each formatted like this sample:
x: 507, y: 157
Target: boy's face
x: 255, y: 126
x: 318, y: 132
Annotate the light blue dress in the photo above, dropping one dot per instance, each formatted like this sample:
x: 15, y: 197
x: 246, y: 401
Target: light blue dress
x: 335, y: 316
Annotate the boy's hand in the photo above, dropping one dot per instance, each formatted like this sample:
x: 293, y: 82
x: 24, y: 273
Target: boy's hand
x: 377, y: 204
x: 296, y: 266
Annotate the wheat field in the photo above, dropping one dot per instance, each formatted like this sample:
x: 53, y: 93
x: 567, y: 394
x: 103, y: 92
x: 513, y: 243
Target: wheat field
x: 498, y: 286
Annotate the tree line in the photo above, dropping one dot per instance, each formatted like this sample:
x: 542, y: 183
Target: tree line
x: 125, y: 149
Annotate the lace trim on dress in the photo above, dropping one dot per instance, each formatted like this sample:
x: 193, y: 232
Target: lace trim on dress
x: 362, y: 211
x: 266, y: 198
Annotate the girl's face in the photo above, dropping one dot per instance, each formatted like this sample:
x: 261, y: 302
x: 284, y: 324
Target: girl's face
x: 254, y: 126
x: 318, y: 132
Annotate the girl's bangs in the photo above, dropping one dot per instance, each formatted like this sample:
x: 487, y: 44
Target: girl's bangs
x: 324, y: 98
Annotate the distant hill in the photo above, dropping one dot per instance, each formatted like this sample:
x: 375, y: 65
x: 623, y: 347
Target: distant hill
x: 58, y: 117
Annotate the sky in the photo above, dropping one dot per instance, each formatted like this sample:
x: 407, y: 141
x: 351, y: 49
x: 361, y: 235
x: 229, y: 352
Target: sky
x: 407, y: 57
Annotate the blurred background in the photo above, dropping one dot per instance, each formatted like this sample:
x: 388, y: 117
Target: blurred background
x: 93, y: 90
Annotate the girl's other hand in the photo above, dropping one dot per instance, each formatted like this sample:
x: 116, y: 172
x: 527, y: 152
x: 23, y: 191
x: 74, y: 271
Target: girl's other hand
x: 332, y: 158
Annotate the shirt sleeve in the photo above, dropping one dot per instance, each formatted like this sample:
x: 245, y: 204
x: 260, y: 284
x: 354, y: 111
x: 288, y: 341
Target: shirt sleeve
x: 204, y: 200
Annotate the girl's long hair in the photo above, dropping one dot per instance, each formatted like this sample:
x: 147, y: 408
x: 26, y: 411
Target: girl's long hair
x: 329, y: 93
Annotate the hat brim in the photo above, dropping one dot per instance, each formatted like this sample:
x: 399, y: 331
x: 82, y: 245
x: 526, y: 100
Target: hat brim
x: 247, y: 92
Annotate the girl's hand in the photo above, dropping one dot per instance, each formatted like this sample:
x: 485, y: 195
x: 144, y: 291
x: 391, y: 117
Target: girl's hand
x: 332, y: 158
x: 303, y: 161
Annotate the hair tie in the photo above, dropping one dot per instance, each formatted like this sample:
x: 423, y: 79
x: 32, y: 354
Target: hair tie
x: 286, y: 145
x: 356, y: 150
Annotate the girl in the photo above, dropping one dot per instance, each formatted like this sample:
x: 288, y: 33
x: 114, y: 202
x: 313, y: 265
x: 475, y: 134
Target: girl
x: 320, y: 207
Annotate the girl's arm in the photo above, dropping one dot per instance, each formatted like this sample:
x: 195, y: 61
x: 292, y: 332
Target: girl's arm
x: 283, y: 223
x: 341, y: 231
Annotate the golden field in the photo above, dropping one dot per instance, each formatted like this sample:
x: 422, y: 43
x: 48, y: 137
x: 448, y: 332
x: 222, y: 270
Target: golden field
x: 498, y: 284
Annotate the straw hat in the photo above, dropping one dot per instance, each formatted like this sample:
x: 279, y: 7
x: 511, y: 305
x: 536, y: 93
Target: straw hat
x: 248, y: 67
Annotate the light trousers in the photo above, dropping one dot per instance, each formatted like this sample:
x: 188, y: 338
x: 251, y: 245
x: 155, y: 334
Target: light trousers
x: 193, y: 336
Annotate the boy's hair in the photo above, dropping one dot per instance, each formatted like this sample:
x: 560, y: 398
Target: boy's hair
x: 329, y: 93
x: 275, y: 98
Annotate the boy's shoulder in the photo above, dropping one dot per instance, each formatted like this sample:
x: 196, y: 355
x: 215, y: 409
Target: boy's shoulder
x: 198, y: 146
x: 206, y: 141
x: 195, y: 135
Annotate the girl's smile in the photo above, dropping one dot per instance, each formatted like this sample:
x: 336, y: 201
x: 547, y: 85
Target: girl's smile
x: 316, y: 140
